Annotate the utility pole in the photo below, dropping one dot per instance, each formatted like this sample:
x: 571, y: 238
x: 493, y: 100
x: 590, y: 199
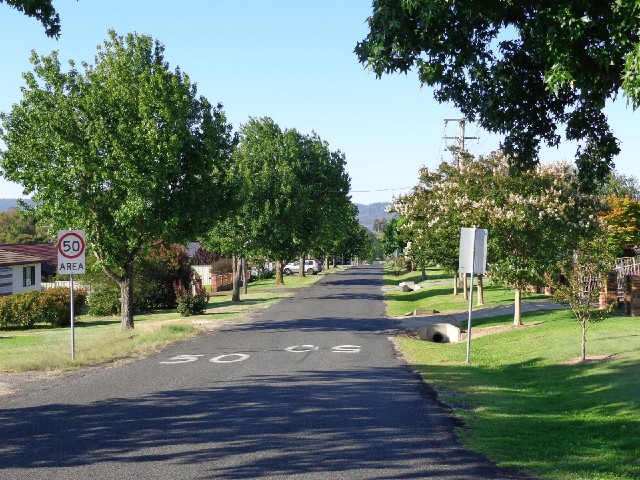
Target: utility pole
x: 460, y: 138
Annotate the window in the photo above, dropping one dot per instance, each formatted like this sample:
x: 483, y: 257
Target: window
x: 28, y: 276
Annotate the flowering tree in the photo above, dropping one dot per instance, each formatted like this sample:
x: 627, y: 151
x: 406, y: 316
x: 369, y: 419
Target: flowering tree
x: 534, y: 219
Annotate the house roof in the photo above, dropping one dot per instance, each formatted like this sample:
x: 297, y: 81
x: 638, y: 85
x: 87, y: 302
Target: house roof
x: 47, y: 253
x: 8, y: 258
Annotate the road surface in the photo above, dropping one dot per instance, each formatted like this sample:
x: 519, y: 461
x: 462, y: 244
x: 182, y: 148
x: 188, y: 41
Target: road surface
x: 310, y: 388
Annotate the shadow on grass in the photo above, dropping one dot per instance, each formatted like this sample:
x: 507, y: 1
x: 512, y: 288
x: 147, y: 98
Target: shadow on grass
x: 577, y: 421
x: 418, y: 295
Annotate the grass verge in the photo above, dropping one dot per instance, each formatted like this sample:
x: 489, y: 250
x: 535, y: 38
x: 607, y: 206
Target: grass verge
x: 526, y: 405
x: 437, y: 294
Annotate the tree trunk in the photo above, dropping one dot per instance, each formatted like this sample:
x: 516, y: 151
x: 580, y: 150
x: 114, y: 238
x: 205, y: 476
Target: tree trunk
x: 424, y: 272
x: 517, y: 312
x: 465, y: 287
x: 583, y: 356
x: 244, y: 276
x: 126, y: 298
x: 455, y: 283
x: 279, y: 277
x: 237, y: 281
x: 302, y: 273
x: 480, y: 290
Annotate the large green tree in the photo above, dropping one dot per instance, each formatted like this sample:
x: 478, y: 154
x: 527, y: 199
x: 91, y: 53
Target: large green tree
x: 518, y: 68
x: 124, y: 150
x: 40, y: 10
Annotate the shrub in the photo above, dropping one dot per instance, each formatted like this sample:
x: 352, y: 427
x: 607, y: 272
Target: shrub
x: 190, y: 303
x: 55, y: 305
x: 5, y: 312
x: 222, y: 266
x: 104, y: 300
x: 21, y: 310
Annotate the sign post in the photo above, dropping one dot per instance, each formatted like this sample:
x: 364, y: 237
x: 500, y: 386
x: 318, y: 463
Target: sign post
x: 71, y: 260
x: 473, y: 260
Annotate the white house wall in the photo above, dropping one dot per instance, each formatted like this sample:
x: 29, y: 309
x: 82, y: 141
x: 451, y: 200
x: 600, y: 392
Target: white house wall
x: 6, y: 283
x: 18, y: 280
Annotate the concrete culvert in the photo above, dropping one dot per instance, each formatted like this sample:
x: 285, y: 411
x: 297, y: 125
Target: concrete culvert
x: 437, y: 338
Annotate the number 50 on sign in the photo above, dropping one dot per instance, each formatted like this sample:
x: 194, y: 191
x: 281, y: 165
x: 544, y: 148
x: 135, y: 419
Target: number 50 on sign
x: 71, y: 252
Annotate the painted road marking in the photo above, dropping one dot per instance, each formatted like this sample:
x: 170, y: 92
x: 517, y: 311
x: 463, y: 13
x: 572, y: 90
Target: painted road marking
x: 230, y: 358
x: 301, y: 348
x: 182, y: 359
x: 241, y: 357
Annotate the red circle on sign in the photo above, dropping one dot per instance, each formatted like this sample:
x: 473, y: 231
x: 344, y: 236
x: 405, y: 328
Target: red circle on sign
x: 61, y: 241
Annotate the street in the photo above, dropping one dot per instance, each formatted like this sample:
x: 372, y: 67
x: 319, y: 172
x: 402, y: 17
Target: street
x: 310, y: 388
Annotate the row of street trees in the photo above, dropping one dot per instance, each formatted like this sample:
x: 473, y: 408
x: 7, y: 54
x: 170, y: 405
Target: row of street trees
x: 291, y: 196
x: 126, y: 150
x: 536, y: 220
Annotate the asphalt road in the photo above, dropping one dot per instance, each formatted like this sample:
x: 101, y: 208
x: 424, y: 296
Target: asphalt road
x: 311, y: 388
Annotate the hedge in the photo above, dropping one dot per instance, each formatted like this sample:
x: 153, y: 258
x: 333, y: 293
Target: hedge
x: 53, y: 306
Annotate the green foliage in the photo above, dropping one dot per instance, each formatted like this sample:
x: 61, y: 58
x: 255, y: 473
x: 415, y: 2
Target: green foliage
x: 104, y: 300
x: 154, y: 275
x: 621, y: 226
x: 222, y: 266
x: 128, y: 165
x: 582, y: 281
x: 190, y: 303
x: 155, y: 272
x: 391, y: 238
x: 291, y: 194
x: 534, y: 219
x: 18, y: 226
x: 51, y: 306
x: 24, y: 310
x: 41, y: 10
x: 55, y: 304
x: 518, y: 68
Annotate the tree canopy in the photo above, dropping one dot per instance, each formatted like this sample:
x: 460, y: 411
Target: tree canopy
x: 518, y: 68
x: 40, y: 10
x: 535, y: 220
x: 124, y: 150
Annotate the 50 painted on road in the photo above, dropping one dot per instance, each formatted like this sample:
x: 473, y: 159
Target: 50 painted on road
x: 241, y: 357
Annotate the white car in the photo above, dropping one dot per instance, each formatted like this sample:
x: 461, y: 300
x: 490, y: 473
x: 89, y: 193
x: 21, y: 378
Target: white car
x: 311, y: 267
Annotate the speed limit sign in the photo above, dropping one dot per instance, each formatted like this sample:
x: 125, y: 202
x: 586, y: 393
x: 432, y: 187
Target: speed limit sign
x: 71, y: 249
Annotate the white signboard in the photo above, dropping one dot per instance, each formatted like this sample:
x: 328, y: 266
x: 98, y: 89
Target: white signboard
x: 71, y: 252
x: 473, y: 250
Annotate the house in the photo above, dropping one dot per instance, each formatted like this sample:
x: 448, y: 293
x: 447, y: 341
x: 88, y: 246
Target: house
x: 19, y: 272
x: 46, y: 251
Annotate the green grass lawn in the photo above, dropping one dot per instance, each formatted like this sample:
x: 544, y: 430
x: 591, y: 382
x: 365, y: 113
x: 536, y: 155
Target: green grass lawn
x: 525, y: 405
x: 100, y: 339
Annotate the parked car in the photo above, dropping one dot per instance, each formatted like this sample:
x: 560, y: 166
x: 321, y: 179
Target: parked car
x: 311, y: 267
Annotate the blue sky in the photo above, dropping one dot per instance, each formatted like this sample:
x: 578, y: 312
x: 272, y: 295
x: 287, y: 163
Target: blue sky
x: 292, y: 61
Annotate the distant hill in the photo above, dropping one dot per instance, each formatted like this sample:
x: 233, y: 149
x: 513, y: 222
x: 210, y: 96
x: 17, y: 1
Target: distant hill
x: 368, y: 213
x: 7, y: 203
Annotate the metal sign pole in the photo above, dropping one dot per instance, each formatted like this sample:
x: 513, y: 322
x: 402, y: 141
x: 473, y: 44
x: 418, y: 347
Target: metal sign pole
x: 473, y: 259
x: 73, y: 343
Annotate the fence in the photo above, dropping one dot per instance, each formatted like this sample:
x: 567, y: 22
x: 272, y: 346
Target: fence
x: 205, y: 273
x: 66, y: 284
x: 625, y: 266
